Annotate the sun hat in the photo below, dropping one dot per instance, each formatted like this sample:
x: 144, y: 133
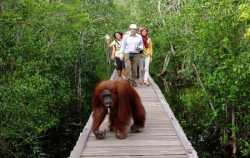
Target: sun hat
x: 143, y: 28
x: 133, y: 26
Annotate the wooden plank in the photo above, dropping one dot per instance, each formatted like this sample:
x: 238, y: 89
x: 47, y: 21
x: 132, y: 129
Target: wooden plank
x: 138, y: 156
x: 137, y: 137
x: 133, y: 151
x: 139, y: 148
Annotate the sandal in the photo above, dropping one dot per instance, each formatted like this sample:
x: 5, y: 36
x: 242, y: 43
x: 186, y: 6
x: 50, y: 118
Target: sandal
x: 141, y: 80
x: 147, y: 84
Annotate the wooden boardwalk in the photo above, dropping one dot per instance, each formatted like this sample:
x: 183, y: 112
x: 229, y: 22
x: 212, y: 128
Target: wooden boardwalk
x: 162, y: 136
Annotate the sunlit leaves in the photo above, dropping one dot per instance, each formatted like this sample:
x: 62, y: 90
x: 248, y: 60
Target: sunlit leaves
x: 244, y: 16
x: 244, y: 12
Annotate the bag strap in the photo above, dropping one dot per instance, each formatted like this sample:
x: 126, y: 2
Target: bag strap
x: 117, y: 43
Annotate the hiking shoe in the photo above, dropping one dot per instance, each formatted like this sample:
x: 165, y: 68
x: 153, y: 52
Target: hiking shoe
x: 147, y: 84
x: 129, y: 81
x: 134, y: 84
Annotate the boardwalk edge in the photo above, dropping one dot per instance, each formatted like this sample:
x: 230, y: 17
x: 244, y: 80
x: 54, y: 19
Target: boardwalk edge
x: 185, y: 142
x: 82, y: 139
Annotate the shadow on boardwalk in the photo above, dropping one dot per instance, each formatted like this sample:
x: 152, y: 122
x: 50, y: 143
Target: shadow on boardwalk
x: 162, y: 136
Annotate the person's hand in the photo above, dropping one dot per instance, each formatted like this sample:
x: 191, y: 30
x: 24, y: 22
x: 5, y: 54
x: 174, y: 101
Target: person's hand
x: 140, y: 47
x: 121, y: 57
x: 108, y: 41
x: 107, y: 37
x: 112, y: 57
x: 151, y: 59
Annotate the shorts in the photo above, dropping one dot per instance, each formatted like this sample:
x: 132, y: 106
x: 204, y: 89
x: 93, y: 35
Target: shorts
x: 119, y: 64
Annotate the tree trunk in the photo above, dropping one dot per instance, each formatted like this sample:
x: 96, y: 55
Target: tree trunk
x: 159, y: 11
x: 164, y: 69
x: 234, y: 146
x: 166, y: 61
x: 176, y: 5
x: 201, y: 84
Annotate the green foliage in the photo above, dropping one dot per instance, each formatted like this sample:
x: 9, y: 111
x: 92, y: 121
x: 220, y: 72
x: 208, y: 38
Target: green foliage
x: 26, y: 112
x: 41, y: 47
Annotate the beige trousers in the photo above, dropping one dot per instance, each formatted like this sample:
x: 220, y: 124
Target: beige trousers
x: 131, y: 65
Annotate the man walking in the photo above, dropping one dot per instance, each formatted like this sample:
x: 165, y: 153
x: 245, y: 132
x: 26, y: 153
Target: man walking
x: 131, y: 46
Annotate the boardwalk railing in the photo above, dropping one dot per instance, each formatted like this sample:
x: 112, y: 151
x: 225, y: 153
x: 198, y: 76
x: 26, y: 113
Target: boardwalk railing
x: 162, y: 136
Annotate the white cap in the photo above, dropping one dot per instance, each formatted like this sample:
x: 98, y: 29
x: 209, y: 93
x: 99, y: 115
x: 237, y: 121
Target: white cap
x: 133, y: 26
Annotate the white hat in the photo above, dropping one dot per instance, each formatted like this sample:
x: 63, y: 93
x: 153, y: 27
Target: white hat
x: 133, y: 26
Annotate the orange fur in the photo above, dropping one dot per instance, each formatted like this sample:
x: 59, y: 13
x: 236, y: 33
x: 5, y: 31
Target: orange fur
x: 127, y: 105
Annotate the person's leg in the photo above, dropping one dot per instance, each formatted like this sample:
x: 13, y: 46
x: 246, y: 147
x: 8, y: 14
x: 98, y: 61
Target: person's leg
x: 134, y: 65
x: 127, y: 66
x: 141, y: 67
x: 119, y: 66
x: 146, y: 70
x: 138, y: 71
x: 123, y: 70
x: 123, y: 73
x: 119, y: 73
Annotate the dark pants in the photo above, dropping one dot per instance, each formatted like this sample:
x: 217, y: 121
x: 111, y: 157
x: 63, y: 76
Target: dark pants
x: 119, y: 64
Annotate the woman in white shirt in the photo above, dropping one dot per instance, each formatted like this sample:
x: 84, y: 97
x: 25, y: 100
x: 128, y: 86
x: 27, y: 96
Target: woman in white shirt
x: 116, y: 53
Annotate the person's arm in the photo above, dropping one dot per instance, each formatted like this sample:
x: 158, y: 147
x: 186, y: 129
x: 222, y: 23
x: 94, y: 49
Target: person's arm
x: 141, y: 45
x: 108, y: 41
x: 113, y: 53
x: 123, y: 46
x: 150, y: 49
